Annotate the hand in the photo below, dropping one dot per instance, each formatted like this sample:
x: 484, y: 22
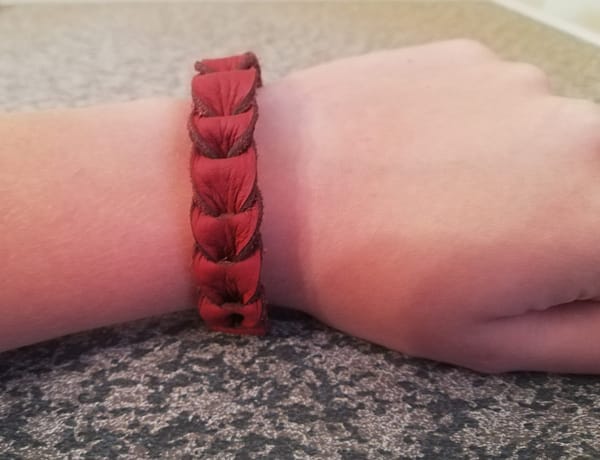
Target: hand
x: 438, y: 201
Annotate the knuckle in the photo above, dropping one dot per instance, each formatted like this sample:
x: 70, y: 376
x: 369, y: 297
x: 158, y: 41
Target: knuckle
x: 470, y: 46
x: 587, y: 113
x: 530, y: 73
x: 590, y: 110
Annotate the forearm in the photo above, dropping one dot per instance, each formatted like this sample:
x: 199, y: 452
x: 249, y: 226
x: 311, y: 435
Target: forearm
x: 94, y: 214
x: 94, y: 223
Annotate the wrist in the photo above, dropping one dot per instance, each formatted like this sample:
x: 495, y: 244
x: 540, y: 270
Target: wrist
x: 281, y: 164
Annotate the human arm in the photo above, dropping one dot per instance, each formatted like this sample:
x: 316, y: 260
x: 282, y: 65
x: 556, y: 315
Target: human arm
x: 435, y: 200
x: 93, y: 222
x: 95, y: 216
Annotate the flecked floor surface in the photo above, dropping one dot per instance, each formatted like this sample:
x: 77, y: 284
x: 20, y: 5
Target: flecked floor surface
x: 164, y: 387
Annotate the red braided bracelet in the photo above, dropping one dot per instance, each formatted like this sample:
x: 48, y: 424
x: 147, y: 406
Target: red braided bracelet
x: 227, y: 207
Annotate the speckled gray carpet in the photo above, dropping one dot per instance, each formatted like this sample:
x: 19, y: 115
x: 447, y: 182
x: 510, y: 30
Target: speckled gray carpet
x: 165, y: 388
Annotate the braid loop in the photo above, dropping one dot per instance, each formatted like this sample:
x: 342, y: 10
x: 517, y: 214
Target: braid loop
x: 226, y: 210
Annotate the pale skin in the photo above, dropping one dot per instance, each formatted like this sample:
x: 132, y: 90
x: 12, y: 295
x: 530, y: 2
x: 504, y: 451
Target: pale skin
x: 435, y: 200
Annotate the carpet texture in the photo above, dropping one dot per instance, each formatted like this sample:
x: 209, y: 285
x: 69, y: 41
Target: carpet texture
x: 166, y: 388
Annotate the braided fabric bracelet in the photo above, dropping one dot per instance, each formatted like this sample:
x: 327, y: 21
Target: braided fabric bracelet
x: 226, y: 210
